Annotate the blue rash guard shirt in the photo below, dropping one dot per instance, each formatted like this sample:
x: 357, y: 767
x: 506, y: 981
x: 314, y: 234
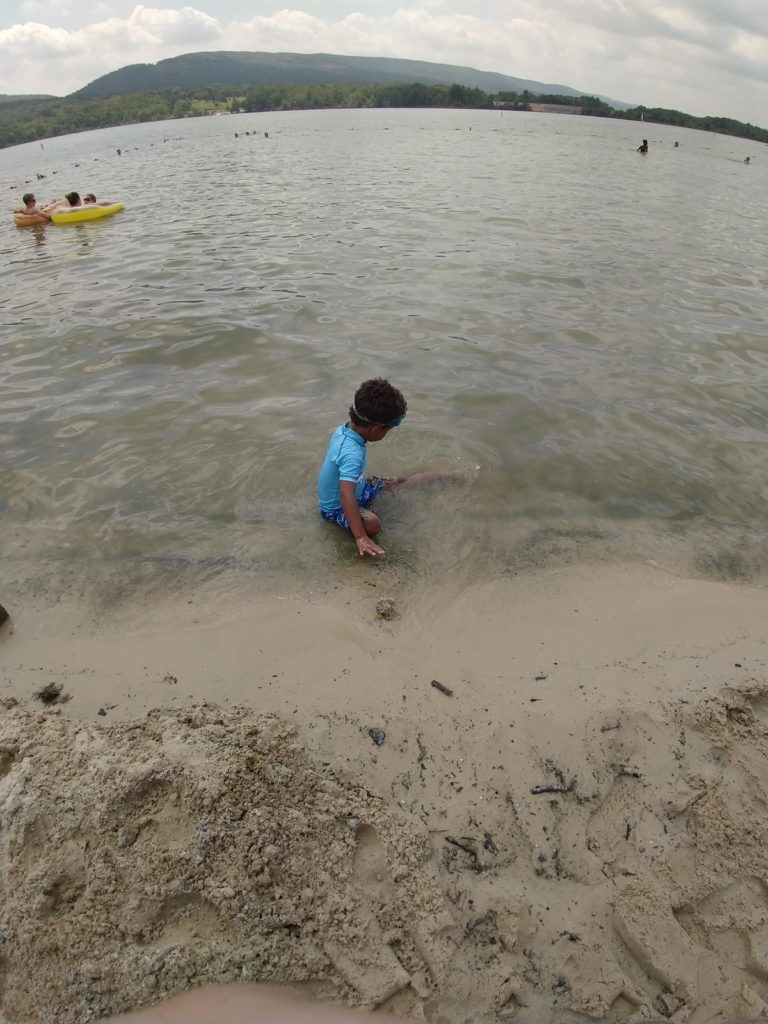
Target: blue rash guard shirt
x: 345, y: 459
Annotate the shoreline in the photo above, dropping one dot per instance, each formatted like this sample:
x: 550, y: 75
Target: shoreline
x: 601, y: 627
x: 625, y: 888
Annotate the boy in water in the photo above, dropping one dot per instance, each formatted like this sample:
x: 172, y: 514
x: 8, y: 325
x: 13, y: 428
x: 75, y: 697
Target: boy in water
x: 343, y: 491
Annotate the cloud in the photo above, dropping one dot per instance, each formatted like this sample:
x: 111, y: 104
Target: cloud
x: 45, y: 8
x: 155, y: 29
x: 37, y: 58
x: 688, y: 19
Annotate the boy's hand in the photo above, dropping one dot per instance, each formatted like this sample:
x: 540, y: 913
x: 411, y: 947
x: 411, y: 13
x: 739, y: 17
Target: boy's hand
x: 366, y: 546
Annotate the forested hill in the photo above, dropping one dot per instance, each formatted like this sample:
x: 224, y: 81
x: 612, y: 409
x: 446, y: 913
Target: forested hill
x: 244, y: 68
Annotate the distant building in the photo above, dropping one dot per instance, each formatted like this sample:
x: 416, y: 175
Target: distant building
x: 554, y: 108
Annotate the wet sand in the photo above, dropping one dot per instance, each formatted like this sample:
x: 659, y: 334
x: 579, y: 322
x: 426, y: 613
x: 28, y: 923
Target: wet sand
x: 577, y: 832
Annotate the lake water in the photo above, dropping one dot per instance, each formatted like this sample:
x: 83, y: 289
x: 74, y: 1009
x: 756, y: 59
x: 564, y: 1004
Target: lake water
x: 586, y: 325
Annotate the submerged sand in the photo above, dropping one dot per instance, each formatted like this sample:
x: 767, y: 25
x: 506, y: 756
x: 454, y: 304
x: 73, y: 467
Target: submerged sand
x: 578, y: 832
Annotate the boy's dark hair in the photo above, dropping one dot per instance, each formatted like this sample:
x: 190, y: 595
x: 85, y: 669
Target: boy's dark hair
x: 27, y: 197
x: 73, y: 198
x: 377, y: 401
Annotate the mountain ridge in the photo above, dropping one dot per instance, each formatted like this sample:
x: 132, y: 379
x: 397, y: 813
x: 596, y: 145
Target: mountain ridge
x: 247, y: 67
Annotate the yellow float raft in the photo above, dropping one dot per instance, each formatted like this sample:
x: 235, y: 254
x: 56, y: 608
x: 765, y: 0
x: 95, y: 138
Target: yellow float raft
x: 74, y: 215
x: 78, y: 214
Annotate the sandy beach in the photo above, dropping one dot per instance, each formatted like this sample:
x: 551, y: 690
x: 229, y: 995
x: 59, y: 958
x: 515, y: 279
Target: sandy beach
x: 192, y: 791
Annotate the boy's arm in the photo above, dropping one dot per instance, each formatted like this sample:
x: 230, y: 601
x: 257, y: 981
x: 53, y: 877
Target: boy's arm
x: 365, y: 545
x: 427, y: 478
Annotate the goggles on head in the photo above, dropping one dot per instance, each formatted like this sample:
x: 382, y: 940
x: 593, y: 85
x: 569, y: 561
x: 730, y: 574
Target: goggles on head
x: 389, y: 423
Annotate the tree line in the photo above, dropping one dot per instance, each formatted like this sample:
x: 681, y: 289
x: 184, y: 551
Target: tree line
x: 28, y: 120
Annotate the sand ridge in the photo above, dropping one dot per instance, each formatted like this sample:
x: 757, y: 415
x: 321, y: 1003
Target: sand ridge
x: 203, y: 844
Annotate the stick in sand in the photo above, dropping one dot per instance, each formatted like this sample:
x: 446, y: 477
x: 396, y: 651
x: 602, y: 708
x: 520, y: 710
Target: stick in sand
x: 443, y: 689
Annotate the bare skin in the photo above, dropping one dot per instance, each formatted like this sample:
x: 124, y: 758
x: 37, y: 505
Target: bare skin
x: 57, y: 204
x: 427, y: 478
x: 244, y: 1004
x: 363, y: 523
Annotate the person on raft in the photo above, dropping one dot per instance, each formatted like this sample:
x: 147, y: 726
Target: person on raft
x: 68, y: 202
x: 30, y: 207
x: 90, y: 200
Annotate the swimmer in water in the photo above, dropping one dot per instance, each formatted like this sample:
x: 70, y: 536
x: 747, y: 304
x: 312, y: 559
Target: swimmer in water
x: 30, y: 207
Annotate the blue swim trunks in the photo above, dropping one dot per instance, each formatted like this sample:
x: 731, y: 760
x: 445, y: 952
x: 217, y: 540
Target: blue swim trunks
x: 372, y: 488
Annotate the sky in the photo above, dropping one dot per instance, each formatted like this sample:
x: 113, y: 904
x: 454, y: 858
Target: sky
x: 700, y: 56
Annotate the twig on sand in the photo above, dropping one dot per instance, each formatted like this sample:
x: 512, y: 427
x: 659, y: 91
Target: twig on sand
x: 467, y: 849
x: 443, y: 689
x: 690, y: 803
x: 489, y: 844
x: 558, y: 787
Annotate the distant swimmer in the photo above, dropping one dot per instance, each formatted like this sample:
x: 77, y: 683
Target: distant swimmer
x: 644, y: 148
x: 747, y: 160
x: 677, y: 145
x: 30, y: 207
x: 90, y: 200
